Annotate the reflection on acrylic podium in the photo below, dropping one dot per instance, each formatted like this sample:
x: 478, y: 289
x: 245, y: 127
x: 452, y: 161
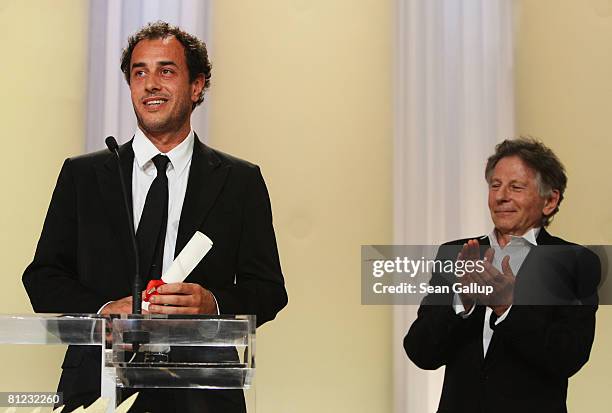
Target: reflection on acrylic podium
x: 151, y: 351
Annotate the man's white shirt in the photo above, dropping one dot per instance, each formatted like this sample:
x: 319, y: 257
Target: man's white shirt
x: 517, y: 249
x: 143, y: 174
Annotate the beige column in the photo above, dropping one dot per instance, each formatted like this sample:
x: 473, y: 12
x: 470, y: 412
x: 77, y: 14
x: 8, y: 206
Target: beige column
x: 564, y: 90
x: 43, y: 95
x: 302, y: 88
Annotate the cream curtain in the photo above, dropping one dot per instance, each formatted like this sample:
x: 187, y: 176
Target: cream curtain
x: 454, y: 100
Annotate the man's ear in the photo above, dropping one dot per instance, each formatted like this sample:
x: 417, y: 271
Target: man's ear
x: 197, y: 86
x: 551, y: 202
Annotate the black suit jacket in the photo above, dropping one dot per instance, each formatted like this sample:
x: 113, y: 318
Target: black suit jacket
x: 84, y: 256
x: 533, y: 351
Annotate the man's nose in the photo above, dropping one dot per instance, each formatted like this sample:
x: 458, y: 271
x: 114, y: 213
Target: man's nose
x: 152, y: 83
x: 502, y: 194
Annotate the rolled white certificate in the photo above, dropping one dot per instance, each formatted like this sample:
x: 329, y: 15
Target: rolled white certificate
x: 197, y: 247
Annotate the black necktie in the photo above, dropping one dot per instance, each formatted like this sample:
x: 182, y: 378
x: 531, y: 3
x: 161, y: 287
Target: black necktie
x: 151, y: 232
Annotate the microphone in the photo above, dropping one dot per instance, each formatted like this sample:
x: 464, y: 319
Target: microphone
x: 112, y: 146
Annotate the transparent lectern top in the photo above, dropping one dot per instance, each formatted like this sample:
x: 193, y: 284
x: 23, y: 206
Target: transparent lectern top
x: 86, y: 329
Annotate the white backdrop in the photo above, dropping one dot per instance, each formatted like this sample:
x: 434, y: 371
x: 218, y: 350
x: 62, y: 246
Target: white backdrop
x: 453, y: 101
x: 111, y: 22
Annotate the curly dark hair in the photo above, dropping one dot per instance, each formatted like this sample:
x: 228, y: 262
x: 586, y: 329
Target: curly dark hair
x: 196, y: 54
x: 550, y: 172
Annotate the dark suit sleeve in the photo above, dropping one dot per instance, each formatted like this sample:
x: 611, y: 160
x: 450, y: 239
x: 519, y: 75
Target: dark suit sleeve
x: 435, y: 336
x: 438, y: 332
x: 51, y: 279
x: 259, y: 287
x: 557, y: 339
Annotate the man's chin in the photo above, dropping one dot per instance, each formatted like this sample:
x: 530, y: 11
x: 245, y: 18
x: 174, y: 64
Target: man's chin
x: 504, y: 227
x: 152, y: 126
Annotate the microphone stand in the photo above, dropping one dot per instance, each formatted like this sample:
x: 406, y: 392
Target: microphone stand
x: 134, y: 337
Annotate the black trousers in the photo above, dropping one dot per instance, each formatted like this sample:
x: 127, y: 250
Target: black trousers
x: 171, y: 400
x: 80, y: 386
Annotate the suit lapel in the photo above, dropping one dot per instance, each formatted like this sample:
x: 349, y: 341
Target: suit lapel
x: 110, y: 191
x: 529, y: 266
x: 543, y: 238
x: 207, y: 176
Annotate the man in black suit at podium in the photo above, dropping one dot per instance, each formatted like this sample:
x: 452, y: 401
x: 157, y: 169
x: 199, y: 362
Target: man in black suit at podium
x: 512, y: 350
x: 177, y: 185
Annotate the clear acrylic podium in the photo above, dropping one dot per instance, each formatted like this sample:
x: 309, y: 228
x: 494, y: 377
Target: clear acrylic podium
x: 205, y: 352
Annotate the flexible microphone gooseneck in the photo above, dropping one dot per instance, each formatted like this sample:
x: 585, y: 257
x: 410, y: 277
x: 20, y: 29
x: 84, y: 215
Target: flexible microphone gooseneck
x: 112, y: 146
x: 135, y: 337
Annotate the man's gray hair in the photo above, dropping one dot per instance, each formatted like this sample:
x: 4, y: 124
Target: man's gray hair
x: 550, y: 172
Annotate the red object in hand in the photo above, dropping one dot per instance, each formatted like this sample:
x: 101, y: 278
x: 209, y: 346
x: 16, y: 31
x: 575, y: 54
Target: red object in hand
x: 152, y: 289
